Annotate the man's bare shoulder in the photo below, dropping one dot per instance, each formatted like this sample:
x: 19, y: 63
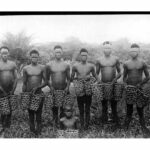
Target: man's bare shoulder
x: 128, y: 62
x: 26, y: 67
x: 11, y: 63
x: 75, y: 65
x: 91, y: 65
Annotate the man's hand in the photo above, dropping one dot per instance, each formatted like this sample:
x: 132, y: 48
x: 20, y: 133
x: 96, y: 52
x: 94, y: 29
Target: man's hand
x: 66, y: 90
x: 51, y: 89
x: 11, y: 92
x: 114, y: 81
x: 139, y: 86
x: 35, y: 89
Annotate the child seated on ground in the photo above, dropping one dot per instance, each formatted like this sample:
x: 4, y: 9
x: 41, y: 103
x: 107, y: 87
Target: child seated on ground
x: 69, y: 121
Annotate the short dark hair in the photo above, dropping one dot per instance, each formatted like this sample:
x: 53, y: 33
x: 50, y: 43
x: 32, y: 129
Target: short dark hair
x: 107, y: 42
x: 83, y: 50
x: 134, y: 45
x: 34, y: 52
x: 57, y: 47
x: 4, y: 47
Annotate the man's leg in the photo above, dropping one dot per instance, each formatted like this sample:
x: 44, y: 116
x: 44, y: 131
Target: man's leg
x: 80, y: 101
x: 104, y: 111
x: 39, y: 118
x: 88, y: 100
x: 8, y: 120
x: 3, y: 119
x: 128, y: 115
x: 55, y: 115
x: 142, y: 120
x: 114, y: 112
x: 31, y: 120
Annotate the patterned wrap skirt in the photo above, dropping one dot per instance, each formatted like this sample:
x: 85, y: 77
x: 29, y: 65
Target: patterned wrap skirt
x: 84, y: 86
x: 25, y: 100
x: 35, y: 101
x: 108, y: 91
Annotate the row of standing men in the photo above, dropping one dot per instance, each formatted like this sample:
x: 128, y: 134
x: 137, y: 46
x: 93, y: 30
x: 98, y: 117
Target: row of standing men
x: 56, y: 75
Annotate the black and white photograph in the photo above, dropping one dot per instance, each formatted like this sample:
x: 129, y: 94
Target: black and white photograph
x: 75, y: 76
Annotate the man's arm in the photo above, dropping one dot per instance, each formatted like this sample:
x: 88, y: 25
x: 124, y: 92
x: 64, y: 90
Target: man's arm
x: 125, y: 73
x: 145, y: 69
x: 94, y: 74
x: 44, y: 77
x: 98, y: 67
x: 16, y: 79
x: 118, y: 70
x: 73, y: 73
x: 25, y: 79
x: 68, y: 77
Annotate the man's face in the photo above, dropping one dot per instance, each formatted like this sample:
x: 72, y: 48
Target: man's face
x: 84, y: 56
x: 34, y: 58
x: 107, y: 50
x: 134, y: 52
x: 58, y: 53
x: 4, y: 53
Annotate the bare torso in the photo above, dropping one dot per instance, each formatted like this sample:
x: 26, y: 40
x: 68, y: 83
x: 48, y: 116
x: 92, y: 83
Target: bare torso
x: 108, y: 69
x: 58, y: 73
x: 83, y: 70
x: 69, y: 123
x: 34, y: 76
x: 134, y: 72
x: 7, y: 76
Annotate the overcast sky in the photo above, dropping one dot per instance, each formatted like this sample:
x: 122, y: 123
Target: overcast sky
x: 92, y: 29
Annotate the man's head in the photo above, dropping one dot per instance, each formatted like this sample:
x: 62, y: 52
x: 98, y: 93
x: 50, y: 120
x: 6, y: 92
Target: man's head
x: 34, y: 56
x: 4, y: 51
x: 107, y: 48
x: 84, y: 54
x: 58, y: 51
x: 68, y: 111
x: 134, y: 50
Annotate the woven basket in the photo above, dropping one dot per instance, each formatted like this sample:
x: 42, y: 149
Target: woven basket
x: 131, y: 94
x: 118, y: 91
x: 35, y: 101
x: 142, y: 99
x: 48, y: 102
x: 25, y: 99
x: 13, y: 102
x: 98, y: 91
x: 4, y: 106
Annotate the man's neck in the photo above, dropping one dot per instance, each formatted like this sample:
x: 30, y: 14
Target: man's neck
x: 34, y: 64
x: 107, y: 56
x: 4, y: 61
x: 135, y: 59
x: 58, y: 60
x: 83, y: 62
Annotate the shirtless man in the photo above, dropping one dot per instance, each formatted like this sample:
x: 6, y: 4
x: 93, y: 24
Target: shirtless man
x: 8, y: 81
x: 107, y: 66
x: 133, y: 71
x: 33, y: 75
x: 58, y: 73
x: 83, y: 70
